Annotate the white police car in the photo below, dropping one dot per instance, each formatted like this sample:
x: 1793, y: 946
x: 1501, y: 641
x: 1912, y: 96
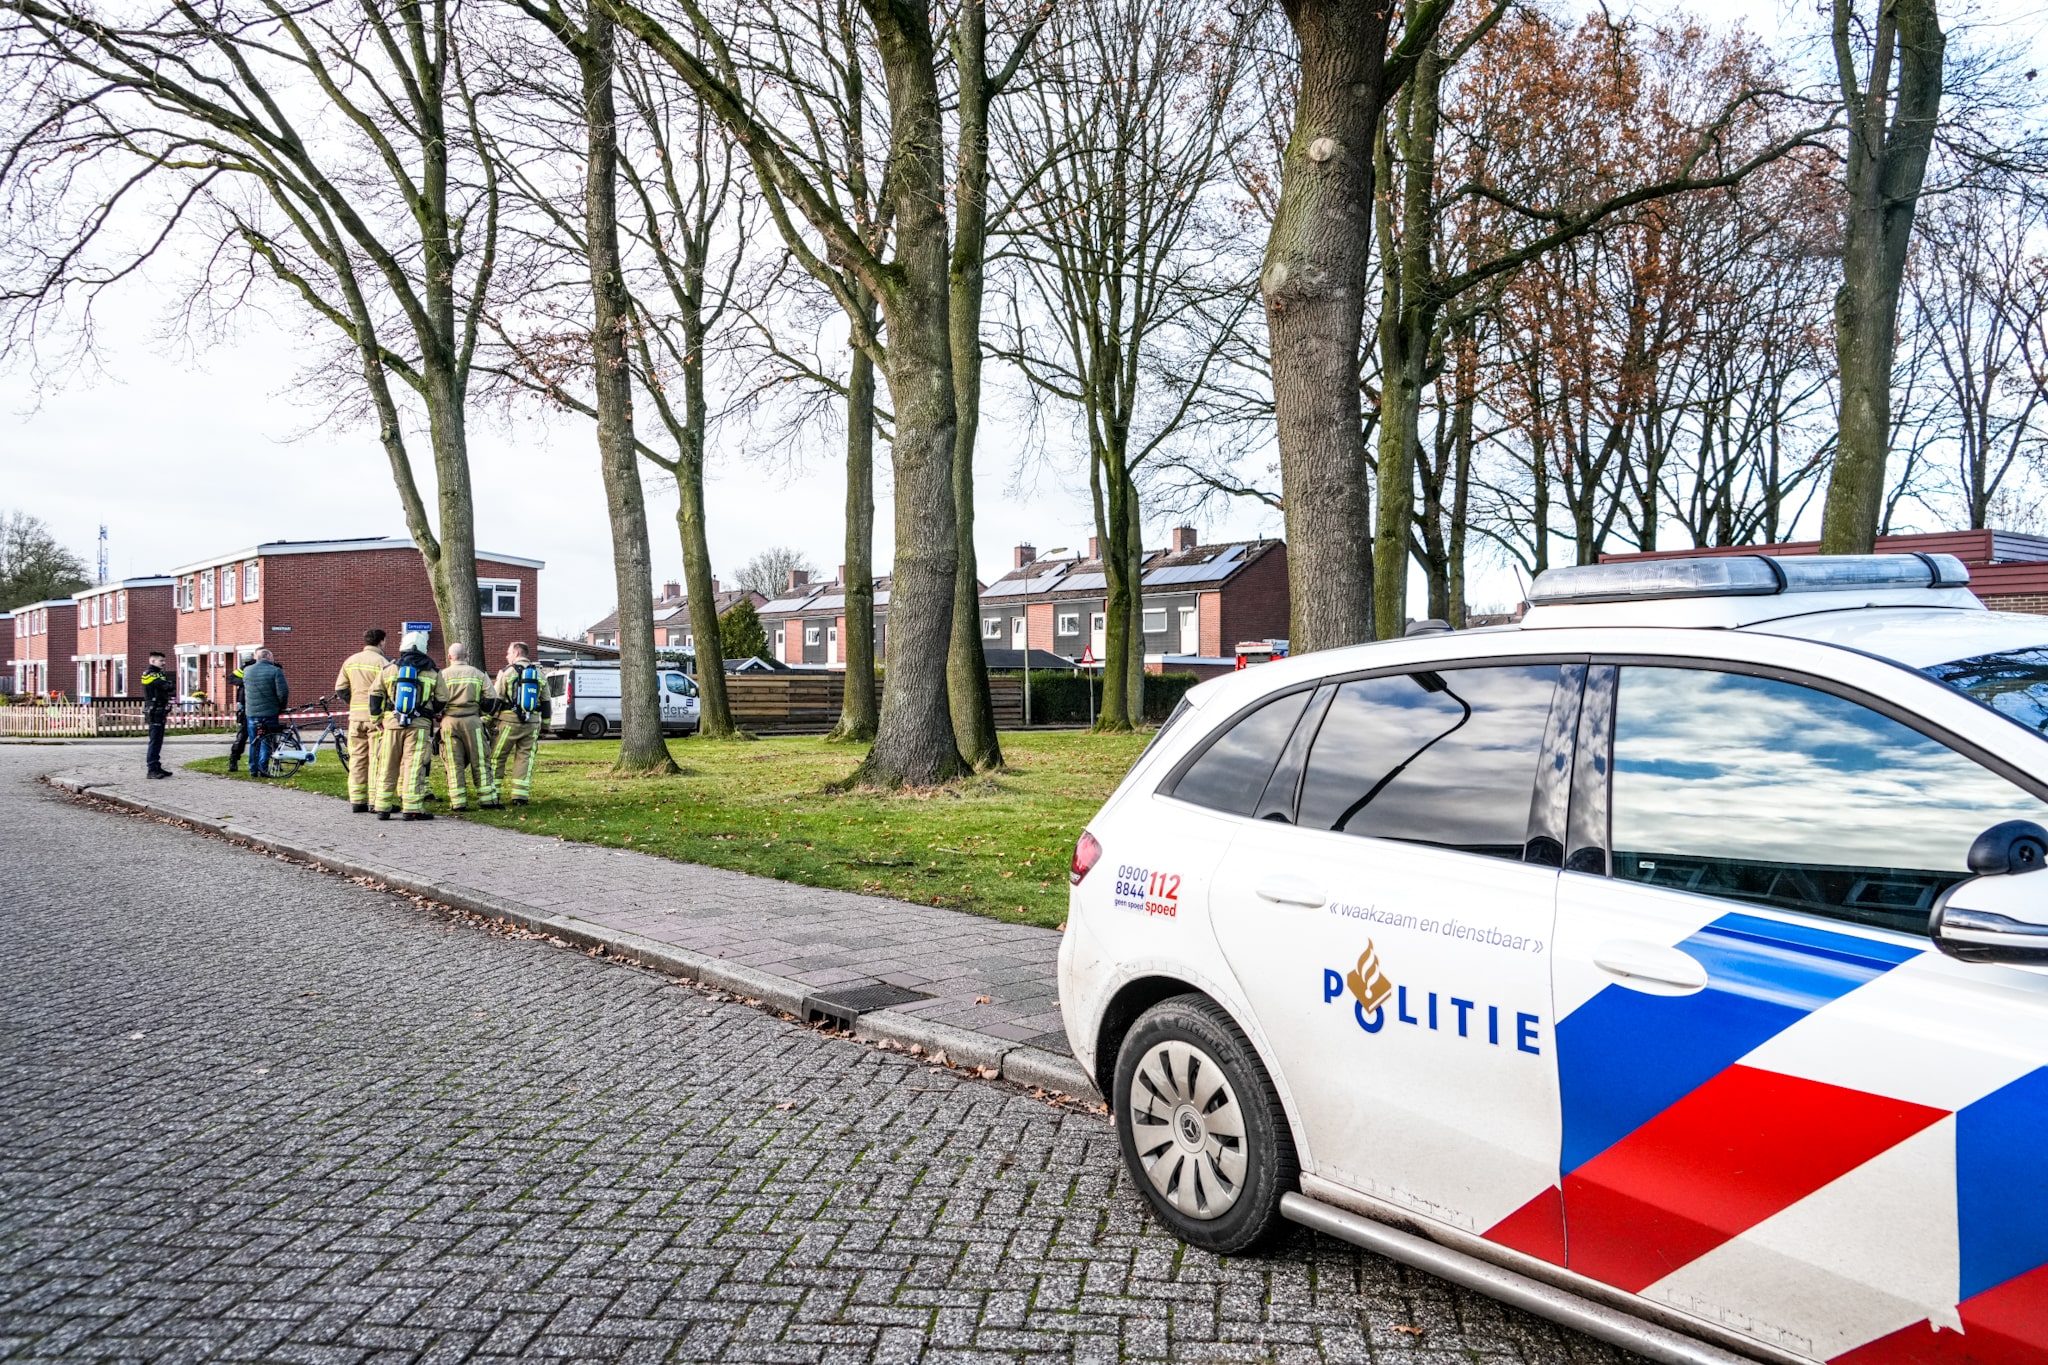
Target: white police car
x: 1667, y: 964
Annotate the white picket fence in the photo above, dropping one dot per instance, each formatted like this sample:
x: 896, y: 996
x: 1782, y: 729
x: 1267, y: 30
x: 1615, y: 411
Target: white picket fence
x: 98, y: 720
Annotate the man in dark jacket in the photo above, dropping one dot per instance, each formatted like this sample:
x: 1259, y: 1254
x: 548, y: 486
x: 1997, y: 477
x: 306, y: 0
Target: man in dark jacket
x: 158, y: 691
x: 265, y: 694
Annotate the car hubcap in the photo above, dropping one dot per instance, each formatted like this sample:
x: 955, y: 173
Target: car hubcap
x: 1188, y: 1131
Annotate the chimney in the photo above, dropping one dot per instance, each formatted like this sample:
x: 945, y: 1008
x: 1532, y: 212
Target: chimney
x: 1094, y: 548
x: 842, y: 575
x: 1024, y: 554
x: 798, y: 577
x: 1183, y: 539
x: 715, y: 589
x: 671, y: 590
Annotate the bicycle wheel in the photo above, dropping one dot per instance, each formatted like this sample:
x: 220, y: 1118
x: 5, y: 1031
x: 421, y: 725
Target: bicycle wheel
x: 340, y: 738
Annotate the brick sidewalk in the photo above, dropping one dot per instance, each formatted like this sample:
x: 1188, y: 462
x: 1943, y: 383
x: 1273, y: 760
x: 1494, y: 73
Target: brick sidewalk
x: 793, y: 947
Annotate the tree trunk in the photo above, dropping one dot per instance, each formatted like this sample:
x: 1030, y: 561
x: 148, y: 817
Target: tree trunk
x: 1886, y: 165
x: 641, y: 746
x: 1313, y: 283
x: 1408, y: 313
x: 1134, y: 569
x: 1112, y: 523
x: 857, y: 714
x: 714, y: 708
x: 914, y: 741
x: 974, y: 714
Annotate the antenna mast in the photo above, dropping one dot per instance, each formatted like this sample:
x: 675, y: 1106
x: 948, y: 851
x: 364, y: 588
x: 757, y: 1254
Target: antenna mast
x: 103, y: 552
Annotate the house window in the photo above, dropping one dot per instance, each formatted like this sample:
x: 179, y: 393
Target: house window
x: 250, y: 579
x: 188, y: 674
x: 1097, y: 622
x: 120, y: 687
x: 497, y: 596
x: 1155, y: 620
x: 689, y: 640
x: 84, y: 681
x: 206, y: 590
x: 229, y: 577
x: 832, y: 638
x: 778, y: 642
x: 185, y: 593
x: 991, y: 627
x: 121, y: 614
x: 1069, y: 623
x: 92, y: 611
x: 810, y: 635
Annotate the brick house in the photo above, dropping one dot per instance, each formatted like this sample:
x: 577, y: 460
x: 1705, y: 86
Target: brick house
x: 806, y: 625
x: 7, y: 659
x: 311, y: 600
x: 2008, y: 570
x: 118, y: 624
x: 672, y: 626
x: 40, y: 664
x: 1197, y: 602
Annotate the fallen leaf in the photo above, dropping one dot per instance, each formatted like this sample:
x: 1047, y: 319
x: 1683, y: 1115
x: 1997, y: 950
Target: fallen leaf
x: 982, y: 1000
x: 787, y: 1104
x: 987, y: 1073
x: 1406, y: 1330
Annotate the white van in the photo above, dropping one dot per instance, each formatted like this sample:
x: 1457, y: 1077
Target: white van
x: 586, y: 700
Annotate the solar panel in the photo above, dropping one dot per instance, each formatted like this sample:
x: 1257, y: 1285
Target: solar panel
x: 1083, y: 582
x: 1008, y: 587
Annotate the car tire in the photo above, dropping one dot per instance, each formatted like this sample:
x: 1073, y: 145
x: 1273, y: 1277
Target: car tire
x: 1202, y: 1129
x: 594, y: 727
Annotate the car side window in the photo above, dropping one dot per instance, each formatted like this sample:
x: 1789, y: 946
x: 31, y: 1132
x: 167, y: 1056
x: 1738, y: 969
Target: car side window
x: 1231, y: 773
x: 1442, y: 758
x: 1777, y: 794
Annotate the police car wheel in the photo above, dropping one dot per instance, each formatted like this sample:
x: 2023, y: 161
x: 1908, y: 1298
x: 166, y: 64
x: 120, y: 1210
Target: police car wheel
x: 1201, y: 1127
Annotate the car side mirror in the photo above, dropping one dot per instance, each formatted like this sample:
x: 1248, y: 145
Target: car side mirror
x: 1996, y: 916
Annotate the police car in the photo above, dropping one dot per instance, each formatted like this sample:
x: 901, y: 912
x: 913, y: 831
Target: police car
x: 1670, y: 964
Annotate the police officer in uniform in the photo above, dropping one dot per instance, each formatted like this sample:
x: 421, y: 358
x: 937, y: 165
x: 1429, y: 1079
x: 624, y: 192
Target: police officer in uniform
x: 356, y: 684
x: 408, y: 697
x: 468, y: 693
x: 241, y: 744
x: 158, y: 692
x: 522, y: 705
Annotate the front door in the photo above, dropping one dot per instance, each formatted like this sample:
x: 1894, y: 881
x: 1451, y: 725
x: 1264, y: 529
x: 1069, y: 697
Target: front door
x: 1017, y: 632
x: 1190, y: 631
x: 1784, y: 1111
x: 1391, y: 929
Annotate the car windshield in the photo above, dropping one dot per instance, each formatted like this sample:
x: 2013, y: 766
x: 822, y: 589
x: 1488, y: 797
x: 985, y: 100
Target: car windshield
x: 2013, y: 683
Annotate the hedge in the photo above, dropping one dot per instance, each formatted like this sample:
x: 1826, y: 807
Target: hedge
x: 1069, y: 698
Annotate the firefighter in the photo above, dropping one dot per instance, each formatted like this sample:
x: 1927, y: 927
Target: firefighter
x: 522, y: 705
x: 408, y: 699
x: 157, y: 693
x: 469, y: 695
x: 356, y: 684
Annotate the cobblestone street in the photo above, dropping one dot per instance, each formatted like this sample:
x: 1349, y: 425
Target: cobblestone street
x: 256, y: 1112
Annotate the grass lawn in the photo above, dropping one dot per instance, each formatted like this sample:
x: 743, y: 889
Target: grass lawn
x: 996, y: 846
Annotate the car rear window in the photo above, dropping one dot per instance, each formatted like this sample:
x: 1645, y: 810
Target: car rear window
x: 1231, y: 774
x: 2013, y: 683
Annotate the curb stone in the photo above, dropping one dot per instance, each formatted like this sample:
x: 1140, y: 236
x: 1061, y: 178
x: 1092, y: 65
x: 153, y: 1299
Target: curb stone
x: 1029, y: 1066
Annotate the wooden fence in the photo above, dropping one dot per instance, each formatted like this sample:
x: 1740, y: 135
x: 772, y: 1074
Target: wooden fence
x: 786, y: 703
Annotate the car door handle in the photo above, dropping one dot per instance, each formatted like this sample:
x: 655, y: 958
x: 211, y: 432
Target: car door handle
x: 1285, y: 890
x: 1651, y: 964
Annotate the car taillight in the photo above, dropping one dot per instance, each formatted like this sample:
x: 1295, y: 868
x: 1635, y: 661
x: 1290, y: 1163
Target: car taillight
x: 1087, y: 853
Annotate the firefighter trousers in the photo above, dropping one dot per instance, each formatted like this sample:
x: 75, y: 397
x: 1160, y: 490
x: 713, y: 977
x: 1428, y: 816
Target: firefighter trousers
x: 469, y: 768
x: 512, y: 755
x: 362, y: 741
x: 404, y: 761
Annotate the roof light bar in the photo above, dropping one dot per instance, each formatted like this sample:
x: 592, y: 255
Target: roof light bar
x: 1743, y: 576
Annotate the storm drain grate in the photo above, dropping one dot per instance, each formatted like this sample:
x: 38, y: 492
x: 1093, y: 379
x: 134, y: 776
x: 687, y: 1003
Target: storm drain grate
x: 840, y: 1005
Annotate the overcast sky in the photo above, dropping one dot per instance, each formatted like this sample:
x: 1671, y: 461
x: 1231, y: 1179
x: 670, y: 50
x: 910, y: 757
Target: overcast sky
x: 184, y: 457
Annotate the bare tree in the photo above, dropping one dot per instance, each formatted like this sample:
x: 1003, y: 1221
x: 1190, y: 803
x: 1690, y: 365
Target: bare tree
x: 1314, y: 280
x: 1133, y: 290
x: 329, y: 149
x: 1890, y: 76
x: 1976, y: 300
x: 768, y: 572
x: 912, y: 285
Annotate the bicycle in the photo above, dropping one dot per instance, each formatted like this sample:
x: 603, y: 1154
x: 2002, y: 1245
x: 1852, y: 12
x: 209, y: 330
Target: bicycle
x: 289, y: 752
